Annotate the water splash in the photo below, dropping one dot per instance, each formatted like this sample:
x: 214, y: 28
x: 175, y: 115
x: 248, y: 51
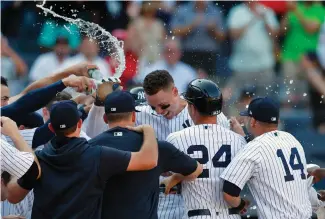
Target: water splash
x: 105, y: 40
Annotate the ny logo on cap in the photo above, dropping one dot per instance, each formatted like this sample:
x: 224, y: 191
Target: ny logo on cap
x: 118, y: 133
x: 273, y: 119
x: 113, y: 109
x: 250, y: 113
x: 141, y: 95
x: 63, y: 126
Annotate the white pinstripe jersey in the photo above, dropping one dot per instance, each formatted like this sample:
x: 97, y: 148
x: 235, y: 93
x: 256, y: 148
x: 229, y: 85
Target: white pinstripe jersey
x: 27, y: 134
x: 214, y: 147
x: 163, y: 127
x: 274, y: 167
x: 171, y: 206
x: 15, y: 162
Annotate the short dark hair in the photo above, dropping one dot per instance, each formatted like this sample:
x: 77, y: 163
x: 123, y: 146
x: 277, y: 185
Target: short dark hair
x: 117, y: 117
x: 59, y: 97
x: 156, y: 81
x: 5, y: 176
x: 4, y: 81
x: 65, y: 132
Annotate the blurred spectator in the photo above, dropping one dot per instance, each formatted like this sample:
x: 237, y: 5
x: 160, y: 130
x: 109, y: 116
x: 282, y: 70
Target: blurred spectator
x: 316, y: 78
x: 52, y: 29
x: 321, y: 47
x: 116, y: 16
x: 279, y: 7
x: 253, y: 28
x: 181, y: 72
x: 48, y: 63
x: 147, y: 33
x: 131, y: 58
x: 88, y: 51
x: 246, y: 96
x: 12, y: 66
x: 200, y: 26
x: 301, y: 27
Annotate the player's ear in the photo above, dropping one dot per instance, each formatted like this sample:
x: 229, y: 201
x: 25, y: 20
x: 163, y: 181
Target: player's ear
x: 79, y: 123
x: 175, y: 91
x: 253, y: 122
x: 105, y: 118
x: 51, y: 128
x: 133, y: 116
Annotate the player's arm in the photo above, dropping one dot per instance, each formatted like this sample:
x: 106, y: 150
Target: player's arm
x: 147, y: 157
x: 78, y: 70
x: 21, y: 164
x: 239, y: 171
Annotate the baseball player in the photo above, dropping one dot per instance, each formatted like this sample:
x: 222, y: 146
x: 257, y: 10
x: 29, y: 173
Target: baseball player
x: 166, y: 112
x: 273, y: 165
x: 212, y: 145
x: 138, y: 95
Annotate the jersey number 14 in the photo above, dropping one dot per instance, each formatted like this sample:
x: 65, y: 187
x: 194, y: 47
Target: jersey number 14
x: 299, y: 166
x: 224, y: 149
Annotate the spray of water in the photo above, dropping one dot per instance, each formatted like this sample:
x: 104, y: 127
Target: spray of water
x: 96, y: 32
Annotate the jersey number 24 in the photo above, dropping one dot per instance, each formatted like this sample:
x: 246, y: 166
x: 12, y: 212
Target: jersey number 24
x: 224, y: 149
x: 298, y: 166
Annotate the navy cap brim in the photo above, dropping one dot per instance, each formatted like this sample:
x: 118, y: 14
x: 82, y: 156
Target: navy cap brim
x: 244, y: 113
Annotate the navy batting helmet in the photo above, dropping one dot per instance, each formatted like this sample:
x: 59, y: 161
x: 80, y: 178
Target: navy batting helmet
x: 205, y: 95
x: 138, y: 95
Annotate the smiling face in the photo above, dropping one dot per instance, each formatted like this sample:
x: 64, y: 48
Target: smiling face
x: 165, y: 102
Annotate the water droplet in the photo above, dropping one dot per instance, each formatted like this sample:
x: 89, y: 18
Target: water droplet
x: 291, y: 81
x: 288, y: 92
x: 305, y: 94
x: 173, y: 37
x: 246, y: 106
x: 322, y: 96
x: 288, y: 101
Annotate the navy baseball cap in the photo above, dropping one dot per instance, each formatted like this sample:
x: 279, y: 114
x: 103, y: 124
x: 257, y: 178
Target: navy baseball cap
x: 263, y: 109
x: 119, y: 102
x: 64, y: 115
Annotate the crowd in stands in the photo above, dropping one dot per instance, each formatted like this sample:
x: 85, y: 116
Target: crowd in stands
x: 270, y: 48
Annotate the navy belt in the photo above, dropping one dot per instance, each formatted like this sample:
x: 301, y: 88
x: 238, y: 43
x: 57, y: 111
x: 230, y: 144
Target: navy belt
x: 199, y: 212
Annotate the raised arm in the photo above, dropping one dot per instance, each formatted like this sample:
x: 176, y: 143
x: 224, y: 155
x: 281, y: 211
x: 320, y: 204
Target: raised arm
x: 38, y: 98
x: 78, y: 70
x: 147, y: 157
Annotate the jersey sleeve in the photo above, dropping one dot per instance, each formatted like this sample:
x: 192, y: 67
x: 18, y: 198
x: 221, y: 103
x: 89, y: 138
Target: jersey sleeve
x: 15, y: 162
x: 113, y: 162
x: 174, y: 160
x: 244, y: 166
x: 94, y: 124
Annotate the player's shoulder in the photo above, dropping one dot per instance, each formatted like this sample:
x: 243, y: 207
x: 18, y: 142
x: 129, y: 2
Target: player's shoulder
x: 144, y: 109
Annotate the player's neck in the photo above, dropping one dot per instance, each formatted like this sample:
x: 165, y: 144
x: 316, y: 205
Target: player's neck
x: 122, y: 124
x: 182, y: 105
x: 206, y: 120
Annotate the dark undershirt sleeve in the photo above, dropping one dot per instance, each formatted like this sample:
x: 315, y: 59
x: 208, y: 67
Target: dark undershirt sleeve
x: 231, y: 189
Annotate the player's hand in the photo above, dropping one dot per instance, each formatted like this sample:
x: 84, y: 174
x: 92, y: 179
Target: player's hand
x: 321, y: 195
x: 13, y: 217
x: 236, y: 127
x: 108, y: 86
x: 81, y: 69
x: 141, y: 128
x: 318, y: 174
x: 80, y: 83
x: 8, y: 126
x: 172, y: 181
